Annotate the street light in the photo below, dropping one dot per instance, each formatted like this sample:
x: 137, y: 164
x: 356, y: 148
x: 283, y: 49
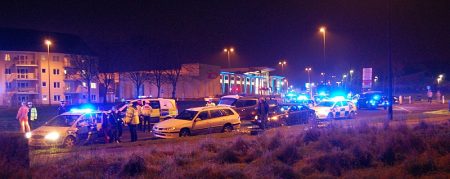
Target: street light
x: 48, y: 43
x: 440, y: 78
x: 308, y: 70
x: 323, y: 31
x: 351, y: 79
x: 228, y: 51
x: 282, y: 63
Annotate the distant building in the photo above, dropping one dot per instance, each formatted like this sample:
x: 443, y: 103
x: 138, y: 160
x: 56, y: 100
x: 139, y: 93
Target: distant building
x: 201, y: 80
x: 26, y: 68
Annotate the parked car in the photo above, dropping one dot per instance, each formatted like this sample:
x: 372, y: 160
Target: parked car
x: 372, y: 100
x: 161, y: 108
x: 332, y: 109
x: 246, y: 107
x: 200, y: 120
x: 68, y: 129
x: 288, y: 114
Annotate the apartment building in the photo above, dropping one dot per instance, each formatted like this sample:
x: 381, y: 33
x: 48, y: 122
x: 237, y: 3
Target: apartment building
x: 32, y: 71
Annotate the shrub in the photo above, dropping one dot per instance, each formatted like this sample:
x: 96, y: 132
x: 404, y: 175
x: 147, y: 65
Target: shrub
x: 275, y: 141
x: 388, y: 156
x: 288, y: 154
x: 311, y: 136
x: 362, y: 158
x: 333, y: 163
x: 135, y: 166
x: 209, y: 146
x: 420, y: 166
x: 227, y: 156
x: 241, y: 146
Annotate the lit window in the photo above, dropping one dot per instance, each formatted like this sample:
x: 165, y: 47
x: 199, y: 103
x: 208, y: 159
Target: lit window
x: 44, y: 97
x: 93, y: 85
x: 84, y: 84
x: 65, y: 72
x: 7, y: 57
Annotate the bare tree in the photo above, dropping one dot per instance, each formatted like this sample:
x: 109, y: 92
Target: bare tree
x: 172, y: 76
x: 158, y: 78
x: 107, y: 80
x: 85, y: 69
x: 138, y: 78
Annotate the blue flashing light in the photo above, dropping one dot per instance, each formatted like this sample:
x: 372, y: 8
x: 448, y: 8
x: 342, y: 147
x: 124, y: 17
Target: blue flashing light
x: 76, y: 110
x: 322, y: 93
x: 338, y: 98
x: 372, y: 102
x: 291, y: 95
x: 302, y: 97
x: 376, y: 97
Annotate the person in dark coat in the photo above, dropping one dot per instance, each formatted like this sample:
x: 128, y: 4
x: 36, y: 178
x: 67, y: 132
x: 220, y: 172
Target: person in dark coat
x: 114, y: 129
x: 263, y: 112
x: 62, y: 108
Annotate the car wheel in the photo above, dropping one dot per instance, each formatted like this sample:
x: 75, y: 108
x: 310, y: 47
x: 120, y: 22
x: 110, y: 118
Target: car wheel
x: 69, y: 142
x: 185, y: 133
x: 227, y: 128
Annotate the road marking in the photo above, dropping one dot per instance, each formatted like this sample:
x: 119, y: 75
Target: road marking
x: 442, y: 111
x: 401, y: 108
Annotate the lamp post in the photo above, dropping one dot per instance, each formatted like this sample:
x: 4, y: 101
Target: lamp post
x: 323, y: 31
x: 48, y: 43
x: 351, y: 79
x: 344, y: 81
x: 308, y: 70
x: 282, y: 63
x: 228, y: 51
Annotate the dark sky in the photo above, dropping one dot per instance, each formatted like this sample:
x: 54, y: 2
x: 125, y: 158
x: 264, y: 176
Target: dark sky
x: 134, y: 33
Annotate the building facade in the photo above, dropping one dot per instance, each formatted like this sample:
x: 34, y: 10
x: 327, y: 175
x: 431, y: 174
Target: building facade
x: 32, y: 74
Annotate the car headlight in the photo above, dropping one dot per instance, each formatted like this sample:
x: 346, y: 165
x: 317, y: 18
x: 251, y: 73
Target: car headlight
x: 52, y: 136
x: 256, y: 117
x: 28, y: 135
x: 274, y: 118
x: 169, y: 129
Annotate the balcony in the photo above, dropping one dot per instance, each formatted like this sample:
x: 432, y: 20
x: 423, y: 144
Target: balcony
x: 24, y: 91
x: 26, y: 63
x: 26, y: 76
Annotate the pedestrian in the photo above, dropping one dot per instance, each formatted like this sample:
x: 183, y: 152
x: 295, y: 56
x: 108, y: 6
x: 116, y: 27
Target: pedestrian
x: 32, y: 113
x: 119, y: 117
x: 106, y: 127
x: 263, y: 111
x: 22, y: 116
x: 438, y: 96
x: 430, y: 96
x: 112, y: 120
x: 146, y: 112
x: 62, y: 108
x: 139, y: 107
x: 132, y: 120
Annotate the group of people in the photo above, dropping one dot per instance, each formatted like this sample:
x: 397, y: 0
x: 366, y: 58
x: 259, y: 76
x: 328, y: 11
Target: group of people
x: 138, y: 115
x: 27, y: 111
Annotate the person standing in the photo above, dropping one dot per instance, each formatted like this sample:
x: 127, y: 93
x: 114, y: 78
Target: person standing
x: 132, y: 120
x: 209, y: 103
x: 22, y: 116
x: 430, y: 96
x: 146, y: 112
x: 62, y: 108
x: 32, y: 112
x: 263, y: 111
x: 113, y: 132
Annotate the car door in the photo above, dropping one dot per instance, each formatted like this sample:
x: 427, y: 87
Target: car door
x: 340, y: 110
x: 218, y: 120
x: 201, y: 124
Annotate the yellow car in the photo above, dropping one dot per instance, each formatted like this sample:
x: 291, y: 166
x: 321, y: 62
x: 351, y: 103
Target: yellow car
x: 200, y: 120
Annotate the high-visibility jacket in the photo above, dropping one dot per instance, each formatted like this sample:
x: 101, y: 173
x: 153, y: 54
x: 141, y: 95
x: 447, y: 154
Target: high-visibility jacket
x: 33, y: 113
x: 132, y: 115
x: 146, y: 110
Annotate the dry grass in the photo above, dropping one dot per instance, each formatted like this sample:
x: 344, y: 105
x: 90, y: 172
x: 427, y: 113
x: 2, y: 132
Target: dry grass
x: 358, y: 152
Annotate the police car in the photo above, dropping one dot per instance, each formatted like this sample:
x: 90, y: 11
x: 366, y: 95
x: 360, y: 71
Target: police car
x: 335, y: 108
x: 161, y: 108
x: 67, y: 129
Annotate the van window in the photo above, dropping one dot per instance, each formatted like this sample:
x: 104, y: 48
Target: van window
x: 344, y: 103
x: 166, y: 104
x: 155, y: 104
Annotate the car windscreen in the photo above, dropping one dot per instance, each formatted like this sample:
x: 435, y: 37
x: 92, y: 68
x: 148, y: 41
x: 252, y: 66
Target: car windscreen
x: 62, y: 121
x: 187, y: 115
x: 227, y: 101
x: 325, y: 104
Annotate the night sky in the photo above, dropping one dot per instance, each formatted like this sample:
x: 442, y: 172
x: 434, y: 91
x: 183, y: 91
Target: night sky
x: 262, y: 32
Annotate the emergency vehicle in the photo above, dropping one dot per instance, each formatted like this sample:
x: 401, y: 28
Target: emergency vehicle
x: 335, y: 108
x: 161, y: 108
x: 68, y: 129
